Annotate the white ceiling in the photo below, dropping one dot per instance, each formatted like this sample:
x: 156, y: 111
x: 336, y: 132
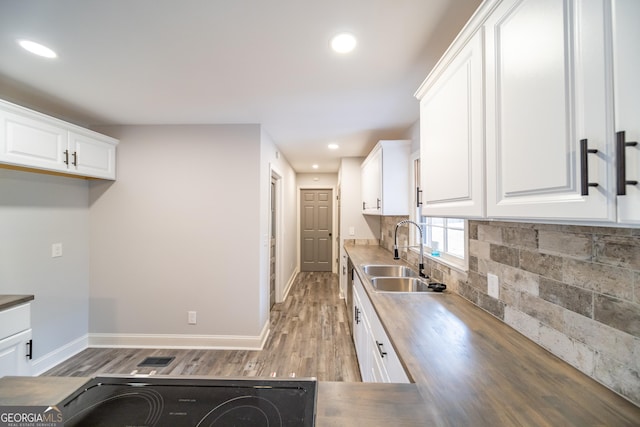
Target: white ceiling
x: 233, y: 61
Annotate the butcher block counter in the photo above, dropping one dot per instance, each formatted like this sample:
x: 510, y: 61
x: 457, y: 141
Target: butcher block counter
x: 471, y: 369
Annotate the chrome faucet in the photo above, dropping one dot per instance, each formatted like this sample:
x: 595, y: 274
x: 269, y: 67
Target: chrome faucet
x: 396, y: 255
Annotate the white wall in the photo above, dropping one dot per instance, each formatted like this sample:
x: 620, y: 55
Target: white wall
x: 36, y: 211
x: 311, y: 180
x: 181, y: 229
x: 286, y: 247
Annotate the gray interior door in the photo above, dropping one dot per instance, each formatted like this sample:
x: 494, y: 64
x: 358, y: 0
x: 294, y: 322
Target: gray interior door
x: 316, y: 210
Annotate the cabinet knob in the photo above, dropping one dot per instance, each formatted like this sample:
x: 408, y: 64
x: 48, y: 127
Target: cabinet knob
x: 621, y: 158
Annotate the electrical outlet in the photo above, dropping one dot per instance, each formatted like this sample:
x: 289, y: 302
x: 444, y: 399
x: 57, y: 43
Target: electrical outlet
x: 56, y: 250
x: 191, y: 317
x: 493, y: 285
x: 352, y: 231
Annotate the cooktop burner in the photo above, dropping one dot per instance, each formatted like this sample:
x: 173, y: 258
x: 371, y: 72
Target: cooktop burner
x: 191, y: 401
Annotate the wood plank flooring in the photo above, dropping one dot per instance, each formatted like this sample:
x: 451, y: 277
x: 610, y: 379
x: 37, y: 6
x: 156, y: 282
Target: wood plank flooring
x: 309, y: 338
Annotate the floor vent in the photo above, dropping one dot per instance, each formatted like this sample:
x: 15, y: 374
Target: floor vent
x: 156, y: 362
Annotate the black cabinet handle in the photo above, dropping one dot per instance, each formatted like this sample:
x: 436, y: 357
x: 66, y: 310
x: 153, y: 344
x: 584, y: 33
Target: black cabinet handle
x: 75, y: 158
x: 584, y: 166
x: 378, y: 204
x: 621, y: 171
x: 30, y: 349
x: 356, y: 314
x: 418, y: 197
x: 382, y: 353
x: 66, y: 157
x: 363, y: 206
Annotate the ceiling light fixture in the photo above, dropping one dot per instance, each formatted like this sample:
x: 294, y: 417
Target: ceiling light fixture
x: 315, y: 166
x: 343, y: 42
x: 333, y: 146
x: 37, y: 49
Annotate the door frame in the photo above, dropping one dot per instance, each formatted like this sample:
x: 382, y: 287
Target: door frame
x: 335, y: 248
x: 275, y: 175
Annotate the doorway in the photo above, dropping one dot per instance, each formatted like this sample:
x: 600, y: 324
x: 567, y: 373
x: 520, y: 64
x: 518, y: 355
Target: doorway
x: 273, y: 230
x: 316, y: 216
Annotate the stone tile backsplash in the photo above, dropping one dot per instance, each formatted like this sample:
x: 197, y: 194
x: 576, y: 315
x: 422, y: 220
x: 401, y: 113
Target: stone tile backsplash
x: 574, y: 290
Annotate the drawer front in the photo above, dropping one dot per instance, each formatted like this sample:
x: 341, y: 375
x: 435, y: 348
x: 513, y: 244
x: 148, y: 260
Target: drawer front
x: 15, y: 320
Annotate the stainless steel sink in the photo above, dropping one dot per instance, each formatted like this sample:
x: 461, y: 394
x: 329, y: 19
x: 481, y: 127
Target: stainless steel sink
x: 374, y: 270
x: 405, y: 284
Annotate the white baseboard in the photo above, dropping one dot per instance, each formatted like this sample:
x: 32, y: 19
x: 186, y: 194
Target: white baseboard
x: 289, y: 284
x: 59, y: 355
x: 176, y: 341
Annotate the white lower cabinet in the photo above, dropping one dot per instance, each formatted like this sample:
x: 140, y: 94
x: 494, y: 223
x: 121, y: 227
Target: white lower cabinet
x: 14, y: 354
x: 15, y: 341
x: 376, y: 356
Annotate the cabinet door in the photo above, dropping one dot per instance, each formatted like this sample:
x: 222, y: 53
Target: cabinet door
x: 25, y: 141
x: 546, y: 89
x: 626, y: 63
x: 378, y: 370
x: 92, y: 157
x: 452, y: 137
x: 13, y: 354
x: 372, y: 183
x: 360, y: 334
x: 385, y: 354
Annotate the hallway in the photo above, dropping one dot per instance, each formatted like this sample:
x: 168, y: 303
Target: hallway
x: 309, y: 338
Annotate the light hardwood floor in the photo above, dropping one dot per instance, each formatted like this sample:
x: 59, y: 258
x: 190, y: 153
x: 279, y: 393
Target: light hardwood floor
x: 309, y: 338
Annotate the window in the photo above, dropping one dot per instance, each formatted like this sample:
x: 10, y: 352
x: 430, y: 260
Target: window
x: 445, y: 238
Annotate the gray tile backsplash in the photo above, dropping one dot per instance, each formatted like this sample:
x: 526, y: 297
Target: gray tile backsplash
x: 574, y: 290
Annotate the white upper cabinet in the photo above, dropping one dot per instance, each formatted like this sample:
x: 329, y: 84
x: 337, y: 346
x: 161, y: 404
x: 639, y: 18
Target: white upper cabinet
x: 546, y: 90
x: 385, y: 179
x: 560, y: 114
x: 452, y: 134
x: 91, y: 156
x: 626, y: 65
x: 33, y: 140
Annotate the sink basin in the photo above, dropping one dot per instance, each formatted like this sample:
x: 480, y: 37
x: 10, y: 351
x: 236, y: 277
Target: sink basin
x: 405, y: 284
x: 389, y: 271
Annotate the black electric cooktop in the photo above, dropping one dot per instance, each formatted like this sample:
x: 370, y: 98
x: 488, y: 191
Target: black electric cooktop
x: 191, y: 401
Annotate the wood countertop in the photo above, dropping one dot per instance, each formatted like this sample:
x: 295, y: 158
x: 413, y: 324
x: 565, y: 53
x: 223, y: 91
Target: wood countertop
x: 8, y: 301
x: 471, y: 369
x: 339, y: 403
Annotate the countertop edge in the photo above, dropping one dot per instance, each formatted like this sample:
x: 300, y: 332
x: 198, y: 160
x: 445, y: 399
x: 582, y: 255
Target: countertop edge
x: 9, y: 301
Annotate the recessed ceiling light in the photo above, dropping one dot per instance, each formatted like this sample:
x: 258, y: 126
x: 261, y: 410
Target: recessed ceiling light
x: 343, y: 42
x: 37, y: 49
x: 315, y: 166
x: 333, y: 146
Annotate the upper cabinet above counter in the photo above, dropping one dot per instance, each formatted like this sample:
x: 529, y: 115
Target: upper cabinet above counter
x: 532, y: 113
x: 385, y: 179
x: 36, y: 141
